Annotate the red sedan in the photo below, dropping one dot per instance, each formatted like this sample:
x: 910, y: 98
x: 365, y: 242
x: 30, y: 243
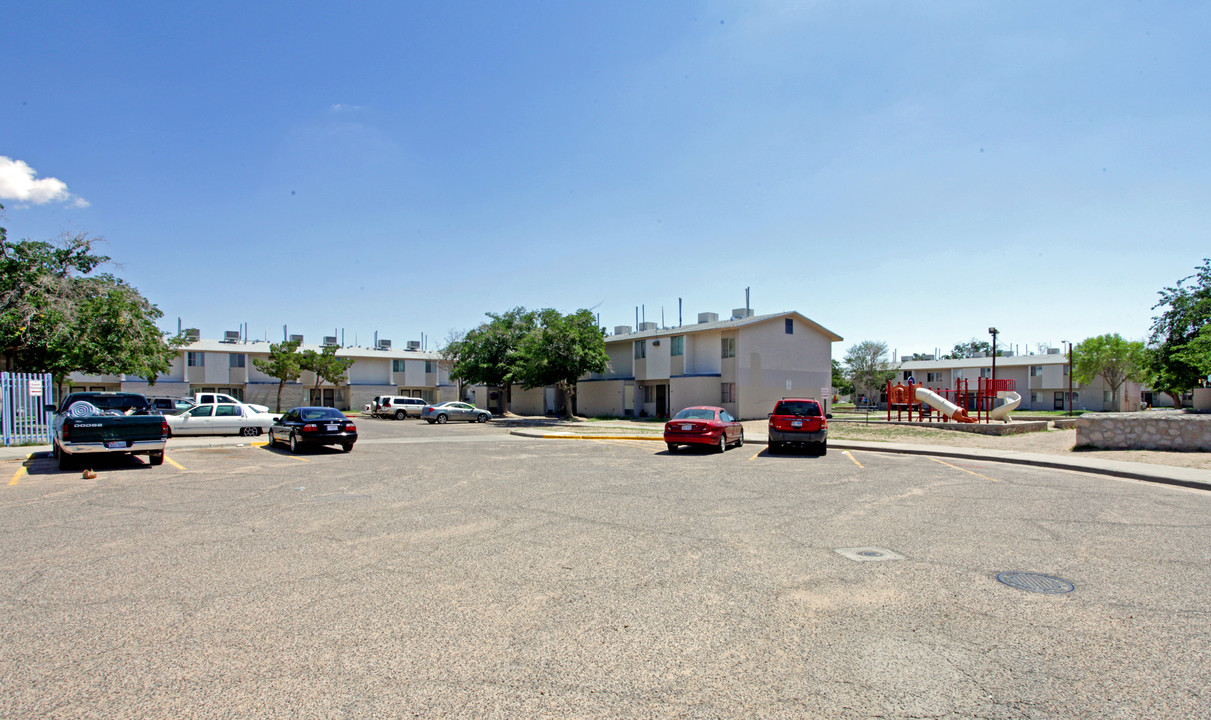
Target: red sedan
x: 703, y: 425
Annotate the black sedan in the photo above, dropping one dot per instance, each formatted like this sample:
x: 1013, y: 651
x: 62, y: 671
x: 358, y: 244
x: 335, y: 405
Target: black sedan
x: 303, y: 426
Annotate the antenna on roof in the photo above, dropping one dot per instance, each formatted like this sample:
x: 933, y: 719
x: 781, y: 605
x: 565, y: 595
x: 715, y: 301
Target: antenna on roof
x: 747, y: 310
x: 678, y: 312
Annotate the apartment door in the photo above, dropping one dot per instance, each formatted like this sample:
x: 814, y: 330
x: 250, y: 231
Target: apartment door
x: 662, y: 401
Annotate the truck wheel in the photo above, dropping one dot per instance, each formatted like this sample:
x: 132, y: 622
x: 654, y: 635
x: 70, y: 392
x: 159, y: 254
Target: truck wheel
x: 156, y: 458
x: 400, y: 414
x: 66, y: 461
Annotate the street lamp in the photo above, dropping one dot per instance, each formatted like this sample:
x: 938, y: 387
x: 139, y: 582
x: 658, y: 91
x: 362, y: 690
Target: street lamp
x: 993, y: 331
x: 1069, y: 399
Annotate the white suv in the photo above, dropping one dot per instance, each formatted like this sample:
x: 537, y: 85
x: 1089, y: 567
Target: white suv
x: 398, y: 407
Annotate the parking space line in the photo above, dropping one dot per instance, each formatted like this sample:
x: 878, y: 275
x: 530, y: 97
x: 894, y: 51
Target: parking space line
x: 757, y: 455
x: 173, y: 463
x: 850, y: 455
x: 20, y: 471
x: 969, y: 472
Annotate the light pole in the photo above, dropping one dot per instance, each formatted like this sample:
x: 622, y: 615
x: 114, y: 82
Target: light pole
x: 993, y: 331
x: 1069, y: 398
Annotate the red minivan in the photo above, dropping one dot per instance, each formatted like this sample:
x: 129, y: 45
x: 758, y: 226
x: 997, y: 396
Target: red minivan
x: 798, y: 422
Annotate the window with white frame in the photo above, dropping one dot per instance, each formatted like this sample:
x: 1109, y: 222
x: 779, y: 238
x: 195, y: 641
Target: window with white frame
x: 1036, y: 370
x: 933, y: 377
x: 729, y: 348
x: 430, y: 366
x: 397, y: 365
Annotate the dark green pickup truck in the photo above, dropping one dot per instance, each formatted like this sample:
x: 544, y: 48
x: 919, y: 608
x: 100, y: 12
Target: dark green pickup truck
x: 90, y: 423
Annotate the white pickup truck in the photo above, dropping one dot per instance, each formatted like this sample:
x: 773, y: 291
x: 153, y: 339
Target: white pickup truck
x: 215, y: 398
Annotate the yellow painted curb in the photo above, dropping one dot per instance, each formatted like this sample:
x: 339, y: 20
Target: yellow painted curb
x: 602, y: 437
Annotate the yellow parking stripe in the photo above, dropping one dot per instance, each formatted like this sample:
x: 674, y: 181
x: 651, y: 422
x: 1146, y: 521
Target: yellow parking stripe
x: 956, y: 467
x: 756, y: 455
x: 173, y: 463
x: 850, y: 455
x: 19, y: 474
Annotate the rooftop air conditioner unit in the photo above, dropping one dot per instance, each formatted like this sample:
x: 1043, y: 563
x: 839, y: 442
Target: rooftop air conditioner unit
x: 647, y: 326
x: 414, y: 344
x: 622, y: 329
x: 231, y: 336
x: 708, y: 317
x: 740, y: 313
x: 329, y: 339
x: 193, y: 334
x: 297, y: 338
x: 1053, y: 351
x: 384, y: 344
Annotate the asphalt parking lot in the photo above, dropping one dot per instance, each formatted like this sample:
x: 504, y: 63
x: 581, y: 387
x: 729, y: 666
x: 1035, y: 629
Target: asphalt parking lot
x: 459, y: 571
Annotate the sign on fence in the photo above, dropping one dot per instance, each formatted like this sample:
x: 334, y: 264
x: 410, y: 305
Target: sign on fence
x: 23, y: 399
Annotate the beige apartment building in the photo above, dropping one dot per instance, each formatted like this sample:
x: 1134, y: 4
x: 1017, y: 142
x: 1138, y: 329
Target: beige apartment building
x: 226, y: 366
x: 743, y: 364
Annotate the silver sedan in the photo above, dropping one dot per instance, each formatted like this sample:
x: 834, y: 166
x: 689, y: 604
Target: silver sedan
x: 453, y: 410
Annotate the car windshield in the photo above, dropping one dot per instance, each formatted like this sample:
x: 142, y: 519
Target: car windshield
x: 798, y: 408
x: 321, y: 414
x: 695, y: 414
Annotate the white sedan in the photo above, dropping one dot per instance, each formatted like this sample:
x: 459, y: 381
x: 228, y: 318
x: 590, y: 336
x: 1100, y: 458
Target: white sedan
x: 220, y: 419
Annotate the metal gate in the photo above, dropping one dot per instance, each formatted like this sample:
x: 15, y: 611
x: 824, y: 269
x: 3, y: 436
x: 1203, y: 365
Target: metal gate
x: 23, y: 417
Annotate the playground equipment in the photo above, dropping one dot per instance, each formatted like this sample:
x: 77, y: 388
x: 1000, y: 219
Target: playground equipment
x: 957, y: 404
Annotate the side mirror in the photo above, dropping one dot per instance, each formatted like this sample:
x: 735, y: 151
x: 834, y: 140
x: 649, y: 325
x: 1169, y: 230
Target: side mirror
x: 828, y: 416
x: 769, y: 415
x: 49, y: 407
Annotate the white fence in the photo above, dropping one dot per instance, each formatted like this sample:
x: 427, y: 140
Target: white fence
x: 23, y: 417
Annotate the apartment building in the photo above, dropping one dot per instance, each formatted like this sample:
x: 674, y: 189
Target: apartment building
x: 227, y: 366
x: 743, y: 364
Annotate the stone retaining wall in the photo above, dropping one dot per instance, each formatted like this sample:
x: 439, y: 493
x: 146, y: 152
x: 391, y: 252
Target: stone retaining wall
x: 1151, y: 430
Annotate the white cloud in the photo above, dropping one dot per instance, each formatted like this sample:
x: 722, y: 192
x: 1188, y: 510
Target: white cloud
x: 17, y: 182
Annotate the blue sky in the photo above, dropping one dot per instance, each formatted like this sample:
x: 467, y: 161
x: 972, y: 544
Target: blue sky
x: 906, y: 172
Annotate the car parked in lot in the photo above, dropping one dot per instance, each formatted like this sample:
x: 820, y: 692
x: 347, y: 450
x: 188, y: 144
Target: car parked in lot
x: 703, y: 425
x: 398, y: 407
x: 454, y: 410
x: 307, y: 426
x: 220, y: 419
x: 161, y: 405
x: 798, y: 422
x: 106, y: 423
x: 210, y: 398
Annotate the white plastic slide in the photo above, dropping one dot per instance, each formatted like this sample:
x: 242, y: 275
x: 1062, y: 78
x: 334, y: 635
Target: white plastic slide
x: 946, y: 407
x: 1012, y: 400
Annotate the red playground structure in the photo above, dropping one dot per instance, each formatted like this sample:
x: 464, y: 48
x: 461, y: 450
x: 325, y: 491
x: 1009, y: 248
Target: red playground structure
x: 959, y: 404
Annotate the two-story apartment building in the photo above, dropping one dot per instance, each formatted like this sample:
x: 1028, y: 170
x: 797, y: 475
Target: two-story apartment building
x: 743, y: 364
x: 227, y: 367
x: 1041, y: 380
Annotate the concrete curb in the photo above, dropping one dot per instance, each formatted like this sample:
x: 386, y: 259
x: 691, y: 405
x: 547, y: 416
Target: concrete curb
x: 1165, y: 474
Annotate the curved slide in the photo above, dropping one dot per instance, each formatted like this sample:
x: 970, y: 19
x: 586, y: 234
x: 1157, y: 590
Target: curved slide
x: 946, y: 407
x: 1012, y: 400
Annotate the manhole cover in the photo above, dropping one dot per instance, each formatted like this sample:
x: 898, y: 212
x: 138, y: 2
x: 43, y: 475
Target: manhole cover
x: 869, y: 554
x: 1036, y: 582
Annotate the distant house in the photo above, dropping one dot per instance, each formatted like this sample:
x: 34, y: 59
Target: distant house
x: 743, y: 364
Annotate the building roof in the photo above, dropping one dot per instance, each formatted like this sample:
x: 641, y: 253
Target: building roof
x: 262, y: 346
x: 723, y: 325
x: 981, y: 362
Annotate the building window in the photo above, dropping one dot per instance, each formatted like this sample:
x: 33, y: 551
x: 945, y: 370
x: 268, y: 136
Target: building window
x: 790, y: 326
x: 729, y: 348
x: 933, y: 377
x: 1034, y: 398
x: 236, y: 360
x: 727, y: 393
x: 641, y: 349
x: 985, y: 372
x: 195, y: 359
x: 1067, y: 369
x: 677, y: 346
x: 430, y: 367
x: 1107, y: 397
x: 649, y: 394
x: 397, y: 366
x: 1036, y: 370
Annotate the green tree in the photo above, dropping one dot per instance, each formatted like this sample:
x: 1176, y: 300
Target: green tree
x: 868, y: 368
x: 1179, y: 355
x: 58, y: 317
x: 284, y: 363
x: 489, y: 354
x: 1110, y: 356
x: 328, y: 368
x: 971, y: 349
x: 559, y: 350
x: 841, y: 383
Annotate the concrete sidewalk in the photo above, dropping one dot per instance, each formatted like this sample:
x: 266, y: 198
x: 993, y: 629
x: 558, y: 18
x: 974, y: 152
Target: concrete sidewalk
x: 1167, y: 474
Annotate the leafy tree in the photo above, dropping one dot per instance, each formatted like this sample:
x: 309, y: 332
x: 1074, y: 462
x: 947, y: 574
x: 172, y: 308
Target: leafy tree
x: 56, y: 317
x: 489, y: 354
x: 326, y: 365
x: 971, y: 349
x: 284, y: 363
x: 1178, y: 356
x: 868, y: 368
x: 1116, y: 360
x: 559, y: 350
x: 840, y: 383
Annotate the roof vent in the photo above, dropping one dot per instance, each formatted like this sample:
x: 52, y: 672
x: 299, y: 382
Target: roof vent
x: 622, y: 329
x: 708, y: 317
x: 329, y: 339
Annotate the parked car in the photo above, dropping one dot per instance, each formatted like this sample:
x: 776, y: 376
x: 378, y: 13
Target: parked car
x: 703, y: 425
x: 220, y: 419
x: 798, y: 422
x: 454, y: 410
x: 212, y: 398
x: 89, y: 423
x: 169, y: 405
x: 305, y: 426
x: 399, y: 407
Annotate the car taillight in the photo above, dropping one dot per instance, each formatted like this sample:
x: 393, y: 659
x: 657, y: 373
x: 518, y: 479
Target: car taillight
x: 350, y: 427
x: 66, y: 430
x: 309, y: 427
x: 163, y: 427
